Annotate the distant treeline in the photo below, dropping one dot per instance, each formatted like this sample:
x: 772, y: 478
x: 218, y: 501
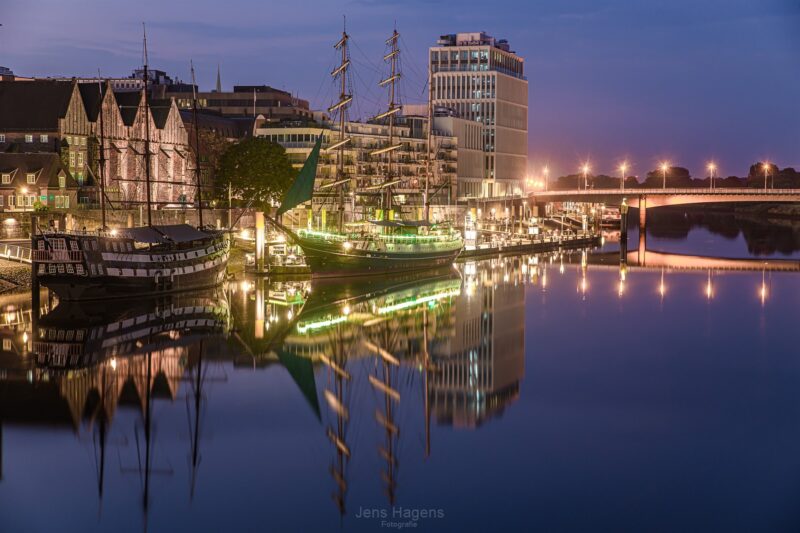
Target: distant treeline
x: 680, y: 177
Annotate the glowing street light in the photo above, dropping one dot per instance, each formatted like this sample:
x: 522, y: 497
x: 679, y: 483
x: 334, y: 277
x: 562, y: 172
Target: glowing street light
x: 622, y: 168
x: 585, y: 170
x: 664, y: 168
x: 711, y: 168
x: 765, y: 166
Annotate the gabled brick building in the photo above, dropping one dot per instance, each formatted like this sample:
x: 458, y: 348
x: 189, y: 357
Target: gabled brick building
x: 63, y: 117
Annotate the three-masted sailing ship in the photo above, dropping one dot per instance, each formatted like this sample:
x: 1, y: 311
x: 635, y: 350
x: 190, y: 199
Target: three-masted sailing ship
x: 385, y: 243
x: 147, y: 260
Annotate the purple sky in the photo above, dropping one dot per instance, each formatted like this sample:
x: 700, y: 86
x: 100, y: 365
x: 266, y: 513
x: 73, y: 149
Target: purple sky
x: 642, y: 80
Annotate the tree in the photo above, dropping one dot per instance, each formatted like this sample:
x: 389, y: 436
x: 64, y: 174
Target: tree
x: 257, y: 170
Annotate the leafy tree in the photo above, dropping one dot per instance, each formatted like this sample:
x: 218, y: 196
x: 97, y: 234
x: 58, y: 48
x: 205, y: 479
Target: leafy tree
x: 257, y: 170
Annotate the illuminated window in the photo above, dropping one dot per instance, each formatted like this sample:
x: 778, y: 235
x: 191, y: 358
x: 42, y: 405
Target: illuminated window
x: 62, y: 181
x: 6, y: 179
x: 31, y: 178
x: 29, y: 138
x: 43, y: 138
x: 2, y: 137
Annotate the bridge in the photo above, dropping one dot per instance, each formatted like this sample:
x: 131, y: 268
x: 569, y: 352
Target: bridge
x: 651, y: 198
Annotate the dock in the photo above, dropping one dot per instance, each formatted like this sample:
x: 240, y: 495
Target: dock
x: 535, y: 244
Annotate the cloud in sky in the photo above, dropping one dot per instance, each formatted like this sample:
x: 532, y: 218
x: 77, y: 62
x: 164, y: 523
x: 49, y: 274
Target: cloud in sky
x: 684, y: 79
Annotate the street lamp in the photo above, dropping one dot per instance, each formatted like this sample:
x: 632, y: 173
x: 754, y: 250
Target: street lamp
x: 765, y: 166
x: 664, y: 167
x: 711, y: 168
x: 622, y: 168
x: 585, y: 169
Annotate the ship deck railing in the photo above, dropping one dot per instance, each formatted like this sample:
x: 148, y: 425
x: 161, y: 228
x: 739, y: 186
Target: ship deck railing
x: 383, y: 237
x: 57, y: 256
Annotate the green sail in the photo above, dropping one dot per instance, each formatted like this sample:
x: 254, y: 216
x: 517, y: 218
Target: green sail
x: 303, y: 187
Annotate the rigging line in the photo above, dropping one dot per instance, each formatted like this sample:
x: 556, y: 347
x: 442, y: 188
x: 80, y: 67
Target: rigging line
x: 366, y: 57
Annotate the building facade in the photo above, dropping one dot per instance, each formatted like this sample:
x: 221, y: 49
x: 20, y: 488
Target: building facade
x: 63, y: 117
x: 273, y: 104
x: 483, y: 80
x: 368, y: 171
x: 32, y: 180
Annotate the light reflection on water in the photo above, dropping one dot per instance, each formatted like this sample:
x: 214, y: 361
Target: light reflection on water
x: 507, y: 393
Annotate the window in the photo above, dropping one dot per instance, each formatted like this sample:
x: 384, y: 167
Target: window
x: 31, y: 178
x: 2, y: 137
x: 43, y: 138
x: 80, y: 159
x: 72, y: 160
x: 62, y: 182
x: 29, y: 138
x: 12, y: 202
x: 6, y: 345
x: 6, y: 179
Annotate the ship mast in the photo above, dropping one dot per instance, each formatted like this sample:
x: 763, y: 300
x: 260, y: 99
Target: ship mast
x: 147, y: 132
x: 345, y: 98
x: 393, y: 108
x: 197, y: 147
x: 426, y: 207
x: 102, y: 158
x: 337, y: 402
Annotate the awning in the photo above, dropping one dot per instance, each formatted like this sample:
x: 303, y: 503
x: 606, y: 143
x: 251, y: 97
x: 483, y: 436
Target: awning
x: 162, y: 234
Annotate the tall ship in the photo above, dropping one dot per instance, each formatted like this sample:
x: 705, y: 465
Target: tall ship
x: 380, y: 242
x: 124, y: 262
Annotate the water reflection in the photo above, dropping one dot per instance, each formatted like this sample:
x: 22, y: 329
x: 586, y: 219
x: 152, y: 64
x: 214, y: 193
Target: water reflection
x: 391, y: 381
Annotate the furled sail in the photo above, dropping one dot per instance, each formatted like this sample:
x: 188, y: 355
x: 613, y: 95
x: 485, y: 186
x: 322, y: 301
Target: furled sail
x: 303, y: 187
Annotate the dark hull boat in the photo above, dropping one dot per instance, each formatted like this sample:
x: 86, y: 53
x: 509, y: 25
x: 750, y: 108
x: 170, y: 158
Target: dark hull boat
x: 130, y: 262
x: 334, y: 256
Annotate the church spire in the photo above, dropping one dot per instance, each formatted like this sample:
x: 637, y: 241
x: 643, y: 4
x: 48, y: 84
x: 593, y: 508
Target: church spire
x: 219, y: 80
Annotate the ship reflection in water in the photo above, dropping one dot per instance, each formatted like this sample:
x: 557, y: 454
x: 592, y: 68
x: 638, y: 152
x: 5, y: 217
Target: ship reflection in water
x: 300, y: 405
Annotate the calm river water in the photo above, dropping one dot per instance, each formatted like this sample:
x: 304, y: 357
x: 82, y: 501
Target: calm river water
x: 560, y: 392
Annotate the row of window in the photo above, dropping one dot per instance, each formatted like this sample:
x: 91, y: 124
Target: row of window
x: 44, y: 138
x: 30, y: 178
x: 29, y: 200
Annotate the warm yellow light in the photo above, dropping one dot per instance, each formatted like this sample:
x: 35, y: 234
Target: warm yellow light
x: 664, y: 166
x: 765, y: 166
x: 712, y: 167
x: 585, y: 168
x: 621, y: 288
x: 346, y: 310
x: 347, y: 245
x: 623, y: 167
x: 662, y: 289
x: 709, y: 290
x: 546, y: 171
x: 763, y: 293
x: 113, y: 232
x: 24, y: 190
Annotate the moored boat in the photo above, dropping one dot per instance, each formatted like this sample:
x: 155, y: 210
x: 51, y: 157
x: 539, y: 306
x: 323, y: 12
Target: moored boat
x: 129, y: 262
x: 387, y: 243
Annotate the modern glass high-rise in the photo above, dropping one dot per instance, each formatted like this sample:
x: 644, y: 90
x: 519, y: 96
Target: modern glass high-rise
x: 482, y: 79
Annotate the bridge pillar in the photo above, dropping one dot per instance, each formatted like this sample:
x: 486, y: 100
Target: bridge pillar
x: 642, y: 213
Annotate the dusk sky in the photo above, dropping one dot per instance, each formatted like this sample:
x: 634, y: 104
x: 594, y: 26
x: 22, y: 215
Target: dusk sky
x: 682, y: 80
